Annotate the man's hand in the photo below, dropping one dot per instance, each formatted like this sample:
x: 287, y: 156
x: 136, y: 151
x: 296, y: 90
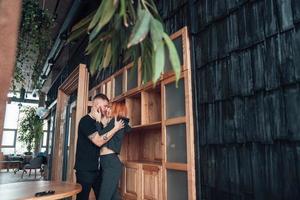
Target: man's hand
x: 105, y: 120
x: 96, y: 114
x: 119, y: 124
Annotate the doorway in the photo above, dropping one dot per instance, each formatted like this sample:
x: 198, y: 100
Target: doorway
x: 67, y: 119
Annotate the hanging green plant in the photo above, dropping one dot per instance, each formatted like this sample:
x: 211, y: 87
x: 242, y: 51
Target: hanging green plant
x: 132, y: 29
x: 34, y: 41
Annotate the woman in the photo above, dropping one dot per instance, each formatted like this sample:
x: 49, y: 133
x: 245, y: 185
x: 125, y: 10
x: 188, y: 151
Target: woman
x: 111, y: 166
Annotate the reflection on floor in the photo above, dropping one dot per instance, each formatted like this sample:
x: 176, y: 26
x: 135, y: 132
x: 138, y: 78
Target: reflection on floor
x: 10, y: 177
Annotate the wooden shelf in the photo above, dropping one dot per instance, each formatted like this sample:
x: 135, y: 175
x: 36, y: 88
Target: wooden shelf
x: 147, y: 126
x: 143, y: 162
x: 151, y: 105
x: 133, y: 104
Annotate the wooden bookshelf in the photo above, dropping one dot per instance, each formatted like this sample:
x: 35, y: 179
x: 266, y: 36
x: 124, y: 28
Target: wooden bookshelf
x: 160, y: 147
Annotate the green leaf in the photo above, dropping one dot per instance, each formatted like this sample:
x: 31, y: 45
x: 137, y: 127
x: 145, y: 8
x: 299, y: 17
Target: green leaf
x: 77, y: 33
x: 92, y: 45
x: 100, y: 38
x: 109, y: 8
x: 158, y: 61
x: 131, y: 13
x: 174, y: 58
x: 85, y: 21
x: 96, y: 60
x: 122, y: 7
x: 97, y: 16
x: 114, y: 52
x: 152, y: 8
x: 139, y: 8
x: 140, y: 29
x: 146, y: 60
x: 156, y: 32
x: 107, y: 56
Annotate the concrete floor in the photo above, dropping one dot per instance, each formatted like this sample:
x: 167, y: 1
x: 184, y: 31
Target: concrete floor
x: 10, y: 177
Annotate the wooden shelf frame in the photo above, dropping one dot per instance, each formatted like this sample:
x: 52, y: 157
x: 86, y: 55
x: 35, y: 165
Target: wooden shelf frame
x: 143, y: 129
x: 187, y: 119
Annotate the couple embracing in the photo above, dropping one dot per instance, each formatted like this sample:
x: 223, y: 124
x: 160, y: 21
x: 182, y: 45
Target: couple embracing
x: 100, y: 135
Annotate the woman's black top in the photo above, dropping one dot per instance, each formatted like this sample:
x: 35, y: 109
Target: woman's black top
x: 116, y: 141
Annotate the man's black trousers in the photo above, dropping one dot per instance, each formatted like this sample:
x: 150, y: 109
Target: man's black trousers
x: 88, y: 180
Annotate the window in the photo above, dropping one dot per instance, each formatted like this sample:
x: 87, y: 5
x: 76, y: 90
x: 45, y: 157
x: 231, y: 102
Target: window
x: 9, y: 138
x: 44, y: 138
x: 11, y: 116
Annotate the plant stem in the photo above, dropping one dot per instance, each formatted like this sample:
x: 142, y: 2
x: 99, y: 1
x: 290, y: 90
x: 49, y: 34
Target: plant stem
x: 144, y: 5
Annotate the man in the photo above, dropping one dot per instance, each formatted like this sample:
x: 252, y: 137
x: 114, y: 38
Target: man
x: 88, y: 146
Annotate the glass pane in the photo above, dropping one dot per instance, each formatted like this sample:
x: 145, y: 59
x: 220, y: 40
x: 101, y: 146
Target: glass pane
x: 178, y: 45
x: 175, y: 104
x: 132, y: 78
x: 11, y: 116
x: 44, y: 144
x: 177, y: 185
x: 176, y: 143
x: 118, y: 85
x: 51, y: 133
x: 8, y: 138
x: 45, y: 126
x: 8, y: 151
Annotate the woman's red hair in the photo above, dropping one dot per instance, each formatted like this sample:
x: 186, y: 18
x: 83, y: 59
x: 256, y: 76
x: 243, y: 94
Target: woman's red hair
x: 118, y: 109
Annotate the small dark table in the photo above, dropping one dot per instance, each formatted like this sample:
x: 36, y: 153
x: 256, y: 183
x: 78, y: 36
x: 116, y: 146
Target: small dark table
x: 10, y: 165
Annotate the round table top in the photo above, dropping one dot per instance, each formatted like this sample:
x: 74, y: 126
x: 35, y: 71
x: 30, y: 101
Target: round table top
x: 27, y: 190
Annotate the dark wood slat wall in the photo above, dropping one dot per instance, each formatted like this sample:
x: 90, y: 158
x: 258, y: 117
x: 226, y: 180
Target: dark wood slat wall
x: 247, y: 63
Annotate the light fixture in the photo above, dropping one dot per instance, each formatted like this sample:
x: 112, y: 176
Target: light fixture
x: 63, y: 36
x: 51, y: 61
x: 20, y: 105
x: 34, y: 93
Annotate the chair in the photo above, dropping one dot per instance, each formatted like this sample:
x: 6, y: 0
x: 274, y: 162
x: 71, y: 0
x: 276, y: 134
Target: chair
x: 35, y: 164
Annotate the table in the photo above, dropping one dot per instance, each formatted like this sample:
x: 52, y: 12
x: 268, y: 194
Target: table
x: 26, y: 190
x: 9, y: 164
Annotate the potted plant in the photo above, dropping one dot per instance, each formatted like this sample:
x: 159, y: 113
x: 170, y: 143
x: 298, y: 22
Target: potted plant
x: 30, y: 129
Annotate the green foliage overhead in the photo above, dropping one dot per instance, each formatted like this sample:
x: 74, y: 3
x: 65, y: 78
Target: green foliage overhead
x: 34, y: 41
x: 129, y: 29
x: 30, y: 128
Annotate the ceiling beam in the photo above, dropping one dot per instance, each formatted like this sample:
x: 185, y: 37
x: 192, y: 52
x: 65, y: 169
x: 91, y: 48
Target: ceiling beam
x: 59, y: 42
